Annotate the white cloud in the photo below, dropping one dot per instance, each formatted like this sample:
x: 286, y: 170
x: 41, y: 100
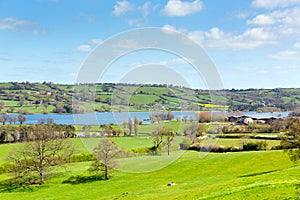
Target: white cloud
x: 218, y: 39
x: 262, y: 20
x: 145, y: 8
x: 168, y: 29
x: 271, y: 4
x: 286, y: 69
x: 241, y: 15
x: 122, y: 7
x: 11, y: 23
x: 285, y: 22
x: 83, y: 48
x: 297, y: 45
x: 182, y: 8
x: 142, y: 12
x: 174, y: 62
x: 96, y: 41
x: 286, y: 55
x: 128, y: 44
x: 259, y: 34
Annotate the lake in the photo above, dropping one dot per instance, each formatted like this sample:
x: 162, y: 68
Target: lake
x: 117, y: 117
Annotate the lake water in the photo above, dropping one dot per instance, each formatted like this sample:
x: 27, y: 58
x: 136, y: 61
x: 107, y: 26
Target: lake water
x: 118, y: 117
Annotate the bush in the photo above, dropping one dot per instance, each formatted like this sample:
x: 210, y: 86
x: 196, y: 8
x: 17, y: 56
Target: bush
x: 4, y: 168
x: 230, y: 136
x: 250, y: 146
x: 185, y: 144
x: 255, y: 146
x: 141, y: 150
x: 82, y: 157
x: 214, y: 148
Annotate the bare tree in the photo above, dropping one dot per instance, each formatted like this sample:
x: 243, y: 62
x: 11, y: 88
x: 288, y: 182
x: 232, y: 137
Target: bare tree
x: 169, y: 137
x: 136, y: 126
x: 194, y: 130
x: 2, y: 120
x: 291, y: 141
x: 36, y: 158
x: 1, y: 105
x: 106, y: 153
x: 163, y: 136
x: 14, y: 119
x: 86, y: 128
x: 21, y: 101
x: 126, y: 130
x: 21, y: 119
x: 42, y: 121
x: 157, y: 139
x: 130, y: 125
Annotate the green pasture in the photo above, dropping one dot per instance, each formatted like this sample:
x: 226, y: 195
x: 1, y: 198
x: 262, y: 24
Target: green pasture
x: 239, y: 142
x: 143, y: 99
x: 243, y: 175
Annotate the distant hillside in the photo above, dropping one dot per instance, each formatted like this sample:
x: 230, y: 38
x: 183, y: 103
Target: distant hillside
x: 49, y: 97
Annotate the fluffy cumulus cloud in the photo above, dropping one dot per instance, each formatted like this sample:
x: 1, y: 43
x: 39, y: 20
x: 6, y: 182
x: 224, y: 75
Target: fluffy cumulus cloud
x: 217, y: 39
x: 11, y: 23
x: 182, y: 8
x: 122, y: 7
x: 284, y: 22
x: 168, y: 29
x: 272, y: 4
x: 262, y: 20
x: 141, y: 11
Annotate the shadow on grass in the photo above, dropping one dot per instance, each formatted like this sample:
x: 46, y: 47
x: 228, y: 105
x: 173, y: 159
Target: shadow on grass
x: 10, y: 186
x: 258, y: 174
x: 83, y: 179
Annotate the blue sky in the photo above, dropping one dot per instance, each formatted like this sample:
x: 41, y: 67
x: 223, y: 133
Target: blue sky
x: 253, y: 43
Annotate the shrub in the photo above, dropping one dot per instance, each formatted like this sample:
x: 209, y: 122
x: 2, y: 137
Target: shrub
x: 185, y: 144
x: 250, y: 146
x: 4, y: 168
x: 82, y: 157
x: 214, y: 148
x: 255, y: 146
x: 141, y: 150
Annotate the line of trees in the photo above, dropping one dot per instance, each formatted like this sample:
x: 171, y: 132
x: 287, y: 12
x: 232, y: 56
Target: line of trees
x: 160, y: 116
x: 12, y: 119
x: 129, y: 127
x: 24, y: 133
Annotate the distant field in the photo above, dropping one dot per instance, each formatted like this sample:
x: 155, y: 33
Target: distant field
x: 239, y: 142
x: 143, y: 97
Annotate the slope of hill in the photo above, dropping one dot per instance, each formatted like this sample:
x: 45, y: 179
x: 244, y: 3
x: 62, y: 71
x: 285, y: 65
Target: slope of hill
x: 244, y: 175
x: 60, y: 98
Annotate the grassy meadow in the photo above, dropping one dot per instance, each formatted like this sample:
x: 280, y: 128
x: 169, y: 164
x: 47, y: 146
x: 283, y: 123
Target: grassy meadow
x: 233, y: 175
x: 242, y: 175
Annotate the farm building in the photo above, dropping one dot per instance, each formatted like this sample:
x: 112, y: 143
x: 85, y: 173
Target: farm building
x: 250, y: 119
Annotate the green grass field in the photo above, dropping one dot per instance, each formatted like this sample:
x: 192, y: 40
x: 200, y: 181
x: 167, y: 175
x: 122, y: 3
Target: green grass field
x: 239, y: 175
x: 239, y: 142
x: 243, y: 175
